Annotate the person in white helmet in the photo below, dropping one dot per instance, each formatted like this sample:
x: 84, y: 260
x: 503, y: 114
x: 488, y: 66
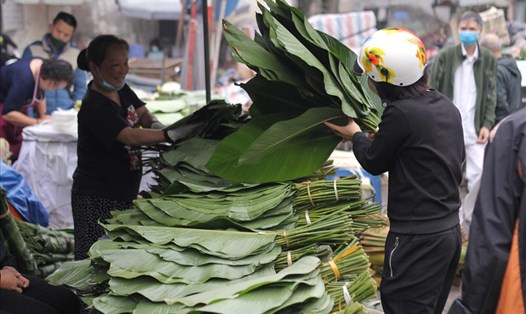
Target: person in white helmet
x: 419, y: 142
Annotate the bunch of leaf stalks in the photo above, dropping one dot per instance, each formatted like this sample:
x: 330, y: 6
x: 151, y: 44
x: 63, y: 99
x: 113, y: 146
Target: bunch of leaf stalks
x: 348, y: 261
x: 373, y: 242
x: 325, y: 231
x: 357, y: 288
x: 351, y: 308
x: 326, y: 191
x: 50, y: 248
x: 310, y: 76
x: 361, y: 213
x: 288, y: 257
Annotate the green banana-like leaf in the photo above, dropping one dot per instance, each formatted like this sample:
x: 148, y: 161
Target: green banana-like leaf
x: 250, y: 53
x: 109, y: 304
x: 148, y: 307
x: 80, y: 275
x: 282, y: 38
x: 271, y: 298
x: 181, y: 256
x: 157, y: 291
x: 133, y: 263
x: 185, y: 153
x: 283, y: 95
x: 227, y: 244
x: 307, y: 266
x: 267, y: 149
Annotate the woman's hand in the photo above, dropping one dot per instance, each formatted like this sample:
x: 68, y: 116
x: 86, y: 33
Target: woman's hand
x: 11, y: 279
x: 346, y: 131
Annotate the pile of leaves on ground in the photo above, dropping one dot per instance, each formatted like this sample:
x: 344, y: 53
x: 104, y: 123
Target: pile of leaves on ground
x: 50, y: 248
x: 200, y: 243
x: 304, y: 78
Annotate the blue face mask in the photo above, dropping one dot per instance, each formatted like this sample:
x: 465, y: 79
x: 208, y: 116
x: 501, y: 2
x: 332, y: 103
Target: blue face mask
x: 108, y: 87
x: 468, y: 38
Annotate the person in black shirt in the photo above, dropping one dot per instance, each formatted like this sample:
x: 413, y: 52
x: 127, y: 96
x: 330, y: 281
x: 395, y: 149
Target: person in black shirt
x: 112, y: 125
x: 420, y: 143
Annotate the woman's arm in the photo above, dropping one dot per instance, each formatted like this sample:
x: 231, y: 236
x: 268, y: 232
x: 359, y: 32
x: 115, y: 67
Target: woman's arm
x: 19, y: 119
x: 148, y: 119
x: 137, y: 137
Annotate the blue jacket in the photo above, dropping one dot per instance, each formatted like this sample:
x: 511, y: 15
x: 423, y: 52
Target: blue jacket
x: 60, y: 98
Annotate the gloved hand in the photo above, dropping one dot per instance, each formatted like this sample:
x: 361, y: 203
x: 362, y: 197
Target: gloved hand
x: 157, y: 125
x: 183, y: 132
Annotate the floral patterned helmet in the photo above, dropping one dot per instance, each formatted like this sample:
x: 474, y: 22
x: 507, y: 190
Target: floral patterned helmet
x: 393, y: 55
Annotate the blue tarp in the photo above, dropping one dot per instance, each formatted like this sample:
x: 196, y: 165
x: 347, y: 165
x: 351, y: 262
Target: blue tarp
x: 21, y: 197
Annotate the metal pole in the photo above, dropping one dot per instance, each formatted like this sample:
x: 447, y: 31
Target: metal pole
x: 207, y: 52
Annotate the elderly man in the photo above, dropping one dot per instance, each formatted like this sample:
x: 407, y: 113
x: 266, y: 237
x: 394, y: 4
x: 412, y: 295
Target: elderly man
x: 509, y: 94
x: 466, y: 73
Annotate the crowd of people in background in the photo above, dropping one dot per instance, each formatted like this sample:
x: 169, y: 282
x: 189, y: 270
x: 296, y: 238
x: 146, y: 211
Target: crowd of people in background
x: 469, y: 109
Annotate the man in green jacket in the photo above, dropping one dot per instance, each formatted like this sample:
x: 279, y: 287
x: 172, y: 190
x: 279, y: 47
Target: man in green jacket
x: 467, y: 74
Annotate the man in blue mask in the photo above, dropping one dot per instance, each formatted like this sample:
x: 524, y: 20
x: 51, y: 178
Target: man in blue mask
x: 467, y: 74
x: 57, y: 45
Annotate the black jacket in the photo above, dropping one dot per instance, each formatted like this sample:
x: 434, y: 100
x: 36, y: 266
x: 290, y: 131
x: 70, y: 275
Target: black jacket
x: 420, y: 142
x: 509, y: 94
x: 500, y: 204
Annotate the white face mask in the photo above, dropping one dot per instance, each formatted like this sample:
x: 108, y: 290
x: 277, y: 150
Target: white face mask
x: 107, y: 86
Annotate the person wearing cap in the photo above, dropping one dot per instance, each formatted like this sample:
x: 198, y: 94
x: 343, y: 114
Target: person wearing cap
x: 57, y: 45
x: 467, y: 74
x: 419, y: 142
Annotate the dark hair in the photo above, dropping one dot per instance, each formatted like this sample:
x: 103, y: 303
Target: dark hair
x: 97, y: 50
x: 67, y: 18
x: 57, y: 71
x: 471, y: 16
x: 392, y: 93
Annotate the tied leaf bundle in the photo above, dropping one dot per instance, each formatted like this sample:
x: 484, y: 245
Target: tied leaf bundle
x: 356, y: 288
x: 50, y: 248
x: 309, y: 74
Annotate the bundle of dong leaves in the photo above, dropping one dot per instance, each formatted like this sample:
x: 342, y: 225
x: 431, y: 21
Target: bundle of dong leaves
x: 191, y: 247
x: 304, y: 77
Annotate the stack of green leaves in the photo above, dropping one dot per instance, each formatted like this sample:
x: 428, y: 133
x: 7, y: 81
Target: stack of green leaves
x: 50, y: 248
x: 309, y: 75
x: 220, y: 248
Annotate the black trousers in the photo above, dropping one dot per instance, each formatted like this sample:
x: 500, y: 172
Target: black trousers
x: 419, y: 271
x: 39, y: 298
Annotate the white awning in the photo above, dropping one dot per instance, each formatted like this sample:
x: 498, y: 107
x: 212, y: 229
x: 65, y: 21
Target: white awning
x: 151, y: 9
x: 52, y: 2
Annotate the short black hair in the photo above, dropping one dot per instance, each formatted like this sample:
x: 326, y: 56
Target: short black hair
x: 471, y: 16
x: 97, y: 50
x: 57, y: 71
x: 391, y: 92
x: 67, y: 18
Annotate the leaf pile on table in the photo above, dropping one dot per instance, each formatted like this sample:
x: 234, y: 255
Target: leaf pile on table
x: 304, y: 78
x: 200, y: 243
